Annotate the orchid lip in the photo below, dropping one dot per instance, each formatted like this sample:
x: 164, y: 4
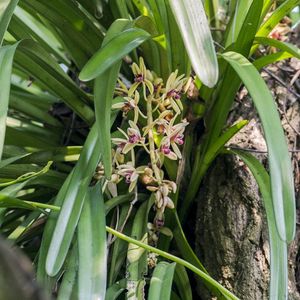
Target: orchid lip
x: 139, y: 78
x: 166, y: 150
x: 127, y: 178
x: 179, y: 140
x: 133, y: 139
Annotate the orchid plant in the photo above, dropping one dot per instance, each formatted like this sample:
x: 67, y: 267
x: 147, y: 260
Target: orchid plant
x: 65, y: 74
x: 160, y: 139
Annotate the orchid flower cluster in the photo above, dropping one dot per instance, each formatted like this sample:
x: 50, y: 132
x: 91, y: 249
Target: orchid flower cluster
x: 153, y: 111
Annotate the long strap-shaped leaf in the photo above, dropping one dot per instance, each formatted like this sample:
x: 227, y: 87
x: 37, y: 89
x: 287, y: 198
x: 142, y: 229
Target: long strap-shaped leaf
x: 92, y: 247
x: 136, y: 256
x: 278, y: 248
x: 193, y: 24
x: 161, y: 281
x: 67, y: 289
x: 295, y: 51
x: 6, y: 59
x: 37, y: 62
x: 72, y: 204
x: 42, y: 277
x: 5, y: 17
x: 280, y: 165
x: 113, y: 49
x: 42, y: 66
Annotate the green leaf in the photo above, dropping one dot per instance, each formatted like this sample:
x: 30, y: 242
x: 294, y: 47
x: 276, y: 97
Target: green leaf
x: 248, y: 29
x: 112, y: 52
x: 42, y: 276
x: 103, y: 92
x: 137, y: 256
x: 115, y: 290
x: 78, y: 31
x: 6, y: 11
x: 161, y: 281
x: 29, y: 175
x: 176, y: 52
x: 72, y: 204
x: 237, y: 21
x: 25, y: 225
x: 270, y: 59
x: 195, y: 31
x: 6, y: 201
x: 216, y: 147
x: 160, y: 15
x: 92, y: 248
x: 287, y: 47
x: 68, y: 284
x: 6, y: 60
x: 39, y: 64
x: 117, y: 257
x: 34, y: 57
x: 115, y: 201
x: 182, y: 282
x: 279, y: 161
x: 23, y: 25
x: 184, y: 246
x: 18, y: 103
x: 63, y: 154
x: 278, y: 248
x: 277, y: 15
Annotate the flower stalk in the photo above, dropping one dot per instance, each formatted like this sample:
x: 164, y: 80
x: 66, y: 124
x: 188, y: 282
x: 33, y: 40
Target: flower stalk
x: 151, y: 141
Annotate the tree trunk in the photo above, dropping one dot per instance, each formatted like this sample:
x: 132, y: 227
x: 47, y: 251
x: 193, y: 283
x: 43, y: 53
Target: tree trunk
x: 230, y: 220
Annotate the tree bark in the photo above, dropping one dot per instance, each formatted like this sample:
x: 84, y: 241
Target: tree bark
x: 230, y: 219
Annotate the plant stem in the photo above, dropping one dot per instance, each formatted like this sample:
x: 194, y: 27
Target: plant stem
x: 151, y: 140
x: 176, y: 259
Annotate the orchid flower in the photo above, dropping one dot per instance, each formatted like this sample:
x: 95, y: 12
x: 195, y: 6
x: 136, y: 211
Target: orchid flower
x: 130, y: 104
x: 143, y: 77
x: 133, y: 138
x: 129, y: 172
x: 173, y: 90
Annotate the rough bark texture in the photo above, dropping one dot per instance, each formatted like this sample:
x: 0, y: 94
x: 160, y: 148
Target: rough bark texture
x: 234, y: 229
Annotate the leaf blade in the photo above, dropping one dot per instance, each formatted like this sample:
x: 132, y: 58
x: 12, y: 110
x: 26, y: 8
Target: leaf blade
x: 6, y: 59
x: 161, y: 281
x: 278, y: 248
x: 193, y: 24
x: 72, y: 204
x: 92, y: 268
x: 5, y: 17
x: 280, y: 166
x: 112, y: 52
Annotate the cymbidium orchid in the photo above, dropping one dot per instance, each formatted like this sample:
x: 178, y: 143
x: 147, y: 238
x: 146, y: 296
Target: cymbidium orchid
x: 133, y: 138
x: 143, y: 77
x: 161, y: 138
x: 129, y: 172
x: 173, y: 90
x: 130, y: 103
